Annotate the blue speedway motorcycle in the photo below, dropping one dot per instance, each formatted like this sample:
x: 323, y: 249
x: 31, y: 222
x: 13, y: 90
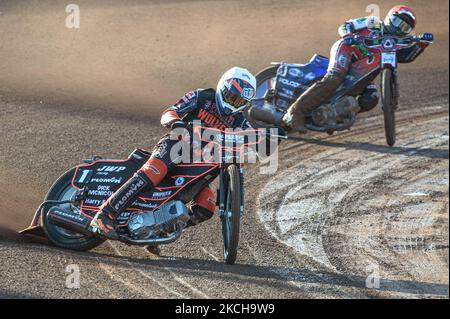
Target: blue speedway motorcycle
x: 279, y: 85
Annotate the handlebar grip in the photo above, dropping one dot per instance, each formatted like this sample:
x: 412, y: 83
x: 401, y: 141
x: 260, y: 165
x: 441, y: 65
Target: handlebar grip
x: 429, y: 37
x: 351, y: 41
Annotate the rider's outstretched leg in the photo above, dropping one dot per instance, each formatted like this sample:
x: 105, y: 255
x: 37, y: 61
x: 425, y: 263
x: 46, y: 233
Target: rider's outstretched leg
x: 145, y: 179
x: 340, y: 60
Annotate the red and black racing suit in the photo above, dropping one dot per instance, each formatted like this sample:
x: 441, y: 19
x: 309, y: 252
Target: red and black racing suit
x: 195, y: 105
x: 342, y: 56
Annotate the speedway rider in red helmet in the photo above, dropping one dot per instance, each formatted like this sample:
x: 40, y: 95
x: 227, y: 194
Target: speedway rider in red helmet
x: 400, y: 21
x: 220, y: 108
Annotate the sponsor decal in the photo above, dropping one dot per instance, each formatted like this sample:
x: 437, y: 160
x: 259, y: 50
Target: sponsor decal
x: 389, y: 58
x: 286, y: 93
x: 162, y: 150
x: 188, y: 97
x: 85, y: 176
x: 152, y: 168
x: 388, y: 43
x: 161, y: 194
x: 282, y: 70
x: 310, y: 76
x: 290, y: 83
x: 343, y: 60
x: 100, y: 191
x: 112, y: 180
x: 248, y: 93
x: 111, y: 169
x: 230, y: 138
x: 72, y: 216
x: 124, y: 216
x: 211, y: 120
x: 132, y: 190
x: 94, y: 202
x: 208, y: 105
x: 296, y: 72
x: 179, y: 181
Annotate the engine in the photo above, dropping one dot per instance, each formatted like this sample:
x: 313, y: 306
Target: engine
x: 339, y: 112
x: 150, y: 224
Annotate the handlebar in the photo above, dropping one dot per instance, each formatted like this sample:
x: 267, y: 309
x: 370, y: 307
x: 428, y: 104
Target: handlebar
x: 375, y: 41
x: 282, y: 134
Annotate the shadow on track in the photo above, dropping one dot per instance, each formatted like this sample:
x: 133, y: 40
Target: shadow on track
x: 395, y: 150
x: 258, y: 274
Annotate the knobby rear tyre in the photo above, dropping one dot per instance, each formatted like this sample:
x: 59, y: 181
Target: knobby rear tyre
x: 57, y: 235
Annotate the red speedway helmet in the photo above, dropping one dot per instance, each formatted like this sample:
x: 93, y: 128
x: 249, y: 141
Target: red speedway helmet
x: 400, y: 20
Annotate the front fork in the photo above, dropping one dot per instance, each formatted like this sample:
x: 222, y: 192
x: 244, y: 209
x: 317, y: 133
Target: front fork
x: 223, y: 190
x: 395, y: 89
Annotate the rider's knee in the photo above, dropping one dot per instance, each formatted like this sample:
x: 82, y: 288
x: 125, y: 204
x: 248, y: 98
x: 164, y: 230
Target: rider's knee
x: 369, y: 99
x: 335, y: 77
x: 155, y: 170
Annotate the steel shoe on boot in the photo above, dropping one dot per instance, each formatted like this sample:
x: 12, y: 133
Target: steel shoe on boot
x: 154, y: 249
x: 104, y: 226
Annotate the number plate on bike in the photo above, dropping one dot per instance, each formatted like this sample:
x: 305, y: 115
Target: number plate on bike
x: 389, y: 58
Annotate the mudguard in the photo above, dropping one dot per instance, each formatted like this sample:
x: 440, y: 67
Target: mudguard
x: 293, y: 79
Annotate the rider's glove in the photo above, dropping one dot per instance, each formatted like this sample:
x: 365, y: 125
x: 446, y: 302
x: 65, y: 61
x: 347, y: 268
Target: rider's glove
x: 349, y: 40
x: 427, y: 37
x: 349, y: 27
x: 178, y: 124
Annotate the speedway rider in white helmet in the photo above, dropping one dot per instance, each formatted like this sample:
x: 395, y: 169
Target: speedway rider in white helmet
x: 219, y: 109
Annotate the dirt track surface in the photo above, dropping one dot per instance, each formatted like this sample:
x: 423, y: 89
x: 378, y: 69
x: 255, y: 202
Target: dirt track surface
x: 338, y: 209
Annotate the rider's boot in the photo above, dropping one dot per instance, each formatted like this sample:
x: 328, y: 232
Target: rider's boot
x: 104, y: 222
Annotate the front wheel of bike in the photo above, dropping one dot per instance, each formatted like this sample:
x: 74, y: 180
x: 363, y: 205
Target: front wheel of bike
x: 232, y: 215
x: 388, y: 105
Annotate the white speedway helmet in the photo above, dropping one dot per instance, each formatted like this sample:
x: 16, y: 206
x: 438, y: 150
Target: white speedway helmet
x: 235, y: 88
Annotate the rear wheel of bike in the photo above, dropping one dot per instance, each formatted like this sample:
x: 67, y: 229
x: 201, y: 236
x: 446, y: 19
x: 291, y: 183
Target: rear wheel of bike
x: 232, y: 215
x: 387, y: 84
x: 265, y: 80
x: 62, y: 190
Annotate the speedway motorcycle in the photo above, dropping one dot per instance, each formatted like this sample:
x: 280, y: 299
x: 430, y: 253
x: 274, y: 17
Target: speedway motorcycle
x: 279, y: 85
x: 155, y: 218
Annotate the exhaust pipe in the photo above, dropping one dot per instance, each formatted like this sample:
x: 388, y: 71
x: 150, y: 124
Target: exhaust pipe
x: 266, y: 114
x: 69, y: 220
x: 155, y: 241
